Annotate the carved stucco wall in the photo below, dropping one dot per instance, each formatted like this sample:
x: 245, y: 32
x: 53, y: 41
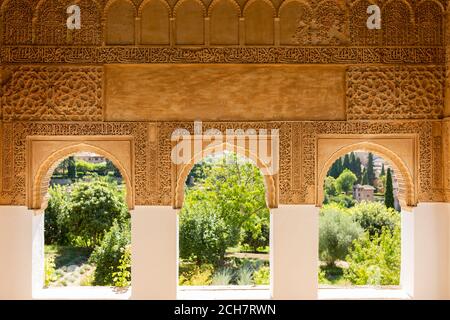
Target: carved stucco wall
x: 395, y: 79
x: 153, y: 173
x: 225, y: 22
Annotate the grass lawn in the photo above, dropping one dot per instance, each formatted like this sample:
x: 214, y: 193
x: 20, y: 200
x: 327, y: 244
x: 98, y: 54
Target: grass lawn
x: 71, y: 266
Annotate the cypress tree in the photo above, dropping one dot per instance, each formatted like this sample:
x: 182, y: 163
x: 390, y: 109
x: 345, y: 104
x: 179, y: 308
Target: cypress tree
x: 389, y: 192
x: 353, y: 163
x: 71, y: 168
x: 347, y: 162
x: 370, y: 172
x: 383, y: 172
x: 364, y: 180
x: 357, y: 171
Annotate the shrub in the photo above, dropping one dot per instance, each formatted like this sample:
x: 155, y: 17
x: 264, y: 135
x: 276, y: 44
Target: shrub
x: 344, y: 183
x: 122, y: 277
x: 49, y: 270
x: 256, y: 240
x: 94, y: 206
x: 107, y: 256
x: 245, y: 276
x: 374, y: 216
x: 262, y: 276
x: 323, y: 277
x: 337, y: 230
x: 204, y: 235
x: 198, y: 276
x: 375, y: 260
x: 330, y: 186
x: 222, y: 277
x: 56, y: 231
x: 341, y: 200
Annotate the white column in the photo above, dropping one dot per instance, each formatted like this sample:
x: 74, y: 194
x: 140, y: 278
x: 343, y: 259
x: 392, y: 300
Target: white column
x: 407, y: 255
x: 294, y: 252
x: 21, y: 252
x: 431, y: 251
x: 154, y: 253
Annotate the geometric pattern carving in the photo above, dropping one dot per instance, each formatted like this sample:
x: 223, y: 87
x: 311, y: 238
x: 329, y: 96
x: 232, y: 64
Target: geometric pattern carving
x: 395, y: 92
x: 153, y: 166
x: 43, y: 93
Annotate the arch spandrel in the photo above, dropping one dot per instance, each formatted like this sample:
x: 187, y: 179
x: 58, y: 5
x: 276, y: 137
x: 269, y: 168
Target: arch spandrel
x: 45, y: 153
x: 181, y: 171
x: 399, y: 152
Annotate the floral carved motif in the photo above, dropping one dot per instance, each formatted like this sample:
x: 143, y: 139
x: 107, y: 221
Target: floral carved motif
x: 53, y: 93
x: 153, y: 167
x: 395, y: 92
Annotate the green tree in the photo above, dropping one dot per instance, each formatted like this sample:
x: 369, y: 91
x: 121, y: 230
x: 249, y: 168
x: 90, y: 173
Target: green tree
x: 353, y: 162
x: 94, y: 206
x: 370, y: 171
x: 345, y: 182
x: 375, y: 260
x: 330, y: 186
x: 110, y: 167
x: 71, y: 168
x: 108, y: 254
x: 347, y: 164
x: 383, y: 172
x: 336, y: 169
x: 230, y: 192
x: 204, y: 235
x: 56, y: 230
x: 389, y: 192
x: 374, y: 216
x: 337, y: 230
x: 357, y: 171
x: 365, y: 179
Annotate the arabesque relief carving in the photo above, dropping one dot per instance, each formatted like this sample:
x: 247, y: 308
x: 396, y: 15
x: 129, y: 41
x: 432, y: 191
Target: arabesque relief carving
x: 154, y: 169
x: 53, y: 93
x: 302, y: 23
x: 395, y: 92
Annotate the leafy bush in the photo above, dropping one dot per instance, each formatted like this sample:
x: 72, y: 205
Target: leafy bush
x: 256, y: 240
x: 373, y: 216
x: 344, y: 183
x: 122, y: 277
x: 204, y: 235
x: 94, y: 206
x: 225, y: 203
x: 245, y: 276
x: 262, y: 276
x: 107, y: 256
x: 49, y: 270
x: 323, y: 277
x: 56, y: 231
x: 330, y: 186
x: 197, y: 276
x: 337, y: 230
x: 375, y: 260
x: 342, y: 200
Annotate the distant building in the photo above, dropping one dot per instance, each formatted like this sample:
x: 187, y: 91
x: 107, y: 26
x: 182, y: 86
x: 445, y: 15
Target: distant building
x: 363, y: 193
x: 90, y: 157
